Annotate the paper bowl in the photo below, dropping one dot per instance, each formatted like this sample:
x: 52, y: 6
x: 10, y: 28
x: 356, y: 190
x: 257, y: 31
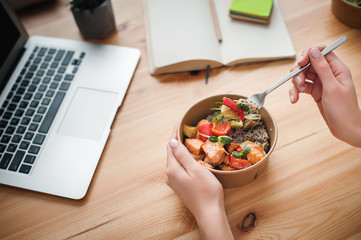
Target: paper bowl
x: 346, y: 12
x: 236, y: 178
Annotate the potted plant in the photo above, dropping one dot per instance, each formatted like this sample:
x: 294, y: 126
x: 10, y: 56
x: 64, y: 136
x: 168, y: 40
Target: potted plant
x: 348, y: 12
x: 95, y: 18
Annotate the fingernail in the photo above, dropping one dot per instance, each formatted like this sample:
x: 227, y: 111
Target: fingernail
x: 298, y: 81
x: 300, y: 59
x: 292, y: 98
x: 315, y: 53
x: 173, y: 143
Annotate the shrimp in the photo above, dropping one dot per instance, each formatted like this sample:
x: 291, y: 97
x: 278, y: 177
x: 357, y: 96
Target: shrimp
x: 256, y: 153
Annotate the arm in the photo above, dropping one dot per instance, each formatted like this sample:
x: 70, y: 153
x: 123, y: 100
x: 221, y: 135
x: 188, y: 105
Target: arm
x: 329, y: 82
x: 199, y: 190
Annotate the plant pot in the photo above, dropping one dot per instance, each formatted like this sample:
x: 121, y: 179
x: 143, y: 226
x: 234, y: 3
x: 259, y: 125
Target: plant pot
x: 347, y: 13
x: 97, y: 23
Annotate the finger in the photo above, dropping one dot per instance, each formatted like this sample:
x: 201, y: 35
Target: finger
x: 314, y: 89
x: 298, y: 81
x: 294, y: 67
x: 174, y: 134
x: 304, y: 58
x: 183, y: 156
x: 180, y: 152
x: 339, y: 68
x: 311, y: 76
x: 301, y: 58
x: 323, y: 69
x: 293, y: 94
x: 171, y: 161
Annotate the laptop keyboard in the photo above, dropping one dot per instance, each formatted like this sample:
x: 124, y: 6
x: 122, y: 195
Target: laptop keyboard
x: 31, y: 105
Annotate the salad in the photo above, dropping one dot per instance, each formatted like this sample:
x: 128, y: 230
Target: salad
x: 233, y: 137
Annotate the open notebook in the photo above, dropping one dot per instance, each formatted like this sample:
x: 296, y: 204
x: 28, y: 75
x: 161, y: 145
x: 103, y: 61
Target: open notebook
x: 181, y: 36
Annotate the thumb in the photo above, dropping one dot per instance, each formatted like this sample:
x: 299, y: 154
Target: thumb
x: 181, y: 153
x: 322, y: 69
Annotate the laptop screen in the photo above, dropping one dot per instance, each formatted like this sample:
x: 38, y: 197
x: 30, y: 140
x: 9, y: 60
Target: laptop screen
x: 12, y: 43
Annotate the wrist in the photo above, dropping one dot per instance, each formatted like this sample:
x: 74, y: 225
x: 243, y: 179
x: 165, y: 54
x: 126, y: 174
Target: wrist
x: 213, y: 223
x: 357, y: 135
x: 354, y: 130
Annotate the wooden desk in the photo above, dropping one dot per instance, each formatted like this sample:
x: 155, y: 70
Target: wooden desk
x: 311, y: 188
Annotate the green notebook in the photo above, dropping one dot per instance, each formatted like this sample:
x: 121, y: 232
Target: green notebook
x: 252, y: 10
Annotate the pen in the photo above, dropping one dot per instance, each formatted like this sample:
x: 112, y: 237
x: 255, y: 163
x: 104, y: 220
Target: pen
x: 215, y: 20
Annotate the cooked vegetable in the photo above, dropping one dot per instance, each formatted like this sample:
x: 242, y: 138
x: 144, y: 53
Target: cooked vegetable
x: 189, y: 131
x: 248, y: 124
x: 221, y: 129
x: 238, y: 163
x: 204, y: 129
x: 228, y: 113
x: 233, y: 105
x: 253, y: 117
x: 236, y: 124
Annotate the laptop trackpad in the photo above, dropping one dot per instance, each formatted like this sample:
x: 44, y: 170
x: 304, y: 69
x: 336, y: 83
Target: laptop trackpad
x: 88, y: 114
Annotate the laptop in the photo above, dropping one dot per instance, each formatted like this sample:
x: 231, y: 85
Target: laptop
x: 58, y: 101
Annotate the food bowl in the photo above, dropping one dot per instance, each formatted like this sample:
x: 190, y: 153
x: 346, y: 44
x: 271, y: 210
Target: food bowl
x: 346, y: 12
x: 235, y: 178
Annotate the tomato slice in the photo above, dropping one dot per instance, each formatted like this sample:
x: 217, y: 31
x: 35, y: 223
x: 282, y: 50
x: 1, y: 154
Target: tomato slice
x: 221, y: 129
x: 238, y: 163
x: 206, y: 129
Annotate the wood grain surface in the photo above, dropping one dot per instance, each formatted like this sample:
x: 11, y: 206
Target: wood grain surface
x: 311, y: 188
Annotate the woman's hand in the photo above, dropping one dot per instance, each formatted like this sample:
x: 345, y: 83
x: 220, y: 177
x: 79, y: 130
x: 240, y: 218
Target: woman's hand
x: 328, y: 80
x: 199, y: 190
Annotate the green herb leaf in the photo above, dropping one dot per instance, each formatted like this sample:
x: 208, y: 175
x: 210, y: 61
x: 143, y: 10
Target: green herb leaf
x: 213, y: 139
x: 243, y: 106
x: 225, y: 140
x: 245, y: 151
x: 236, y: 154
x: 219, y: 117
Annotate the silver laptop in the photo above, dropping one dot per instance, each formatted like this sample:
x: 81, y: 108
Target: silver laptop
x: 57, y: 104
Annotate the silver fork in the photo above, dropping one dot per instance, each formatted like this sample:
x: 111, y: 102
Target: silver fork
x: 259, y: 98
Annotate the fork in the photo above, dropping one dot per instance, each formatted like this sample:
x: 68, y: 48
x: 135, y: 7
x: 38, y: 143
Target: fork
x: 259, y: 98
